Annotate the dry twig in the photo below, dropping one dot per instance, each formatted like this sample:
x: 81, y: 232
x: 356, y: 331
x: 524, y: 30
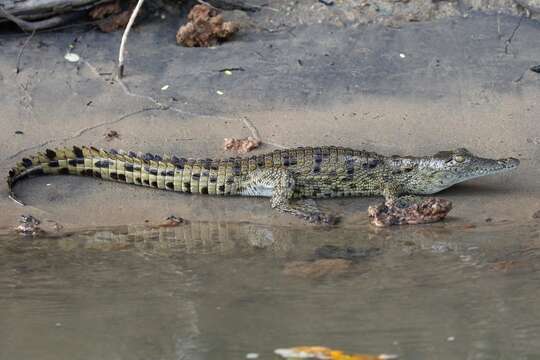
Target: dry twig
x: 18, y: 67
x: 124, y: 38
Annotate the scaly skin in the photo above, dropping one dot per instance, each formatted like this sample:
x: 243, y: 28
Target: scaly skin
x: 286, y: 176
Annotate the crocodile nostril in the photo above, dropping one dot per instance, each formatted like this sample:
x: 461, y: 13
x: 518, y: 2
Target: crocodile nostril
x: 513, y: 161
x: 509, y: 162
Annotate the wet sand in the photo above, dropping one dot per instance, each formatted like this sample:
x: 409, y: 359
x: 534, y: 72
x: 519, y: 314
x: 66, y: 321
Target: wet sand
x: 415, y: 90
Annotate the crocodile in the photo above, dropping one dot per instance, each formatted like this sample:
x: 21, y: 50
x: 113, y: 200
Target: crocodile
x: 291, y: 178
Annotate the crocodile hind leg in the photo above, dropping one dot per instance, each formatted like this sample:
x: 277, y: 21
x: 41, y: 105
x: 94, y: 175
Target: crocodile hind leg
x: 282, y: 200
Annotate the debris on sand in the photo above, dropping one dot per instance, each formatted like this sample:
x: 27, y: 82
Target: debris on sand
x: 111, y: 15
x: 101, y: 11
x: 172, y: 221
x: 409, y: 210
x: 532, y: 5
x: 241, y: 146
x: 205, y: 28
x: 323, y: 353
x: 111, y: 135
x: 28, y: 226
x: 72, y: 57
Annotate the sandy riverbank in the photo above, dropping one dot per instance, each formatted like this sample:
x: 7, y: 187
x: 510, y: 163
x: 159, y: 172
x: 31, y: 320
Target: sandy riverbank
x: 415, y: 90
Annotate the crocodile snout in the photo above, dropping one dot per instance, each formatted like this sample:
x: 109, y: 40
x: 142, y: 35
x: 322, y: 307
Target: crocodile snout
x: 509, y: 163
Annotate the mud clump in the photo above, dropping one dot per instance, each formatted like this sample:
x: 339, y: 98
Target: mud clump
x: 409, y: 211
x: 205, y: 28
x: 111, y: 135
x: 31, y: 226
x: 172, y: 221
x: 241, y: 146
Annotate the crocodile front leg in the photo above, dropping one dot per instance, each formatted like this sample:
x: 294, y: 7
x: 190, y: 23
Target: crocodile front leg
x: 282, y: 200
x: 391, y: 192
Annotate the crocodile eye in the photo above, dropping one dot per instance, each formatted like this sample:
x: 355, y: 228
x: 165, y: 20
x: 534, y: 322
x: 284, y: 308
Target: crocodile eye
x: 459, y: 158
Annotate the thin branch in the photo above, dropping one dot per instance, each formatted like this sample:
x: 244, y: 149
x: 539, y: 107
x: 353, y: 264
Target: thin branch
x: 18, y: 68
x: 40, y: 25
x: 509, y: 40
x: 80, y: 132
x: 22, y: 24
x: 124, y: 38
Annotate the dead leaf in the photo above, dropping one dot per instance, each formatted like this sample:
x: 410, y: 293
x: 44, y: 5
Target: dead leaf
x: 324, y: 353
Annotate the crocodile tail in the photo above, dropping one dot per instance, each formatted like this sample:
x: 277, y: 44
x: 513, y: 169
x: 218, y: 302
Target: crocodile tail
x: 132, y: 168
x: 50, y: 162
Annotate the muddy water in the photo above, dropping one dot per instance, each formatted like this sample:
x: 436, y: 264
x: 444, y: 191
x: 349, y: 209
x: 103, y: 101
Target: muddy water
x: 222, y: 290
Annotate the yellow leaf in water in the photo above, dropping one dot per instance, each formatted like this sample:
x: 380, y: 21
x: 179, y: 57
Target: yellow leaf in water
x: 324, y: 353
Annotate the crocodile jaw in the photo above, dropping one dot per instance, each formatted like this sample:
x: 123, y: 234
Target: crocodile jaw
x: 443, y: 176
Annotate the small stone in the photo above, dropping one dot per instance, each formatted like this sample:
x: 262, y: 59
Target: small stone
x: 440, y: 248
x: 112, y: 134
x: 172, y: 221
x: 450, y: 338
x: 536, y: 215
x: 402, y: 55
x: 164, y: 87
x: 219, y: 92
x: 28, y: 225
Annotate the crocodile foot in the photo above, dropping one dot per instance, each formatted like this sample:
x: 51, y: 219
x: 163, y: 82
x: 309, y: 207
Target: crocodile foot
x: 409, y: 210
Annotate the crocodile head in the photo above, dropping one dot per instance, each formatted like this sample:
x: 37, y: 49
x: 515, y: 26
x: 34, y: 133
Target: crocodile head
x: 440, y: 171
